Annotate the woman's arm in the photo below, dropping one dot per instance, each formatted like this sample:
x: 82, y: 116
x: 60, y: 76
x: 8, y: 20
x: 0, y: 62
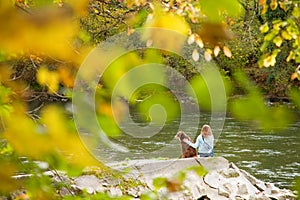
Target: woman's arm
x: 196, y: 144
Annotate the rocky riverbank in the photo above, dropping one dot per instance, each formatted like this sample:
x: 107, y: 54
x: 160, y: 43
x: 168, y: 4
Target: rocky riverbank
x: 170, y: 179
x: 223, y: 180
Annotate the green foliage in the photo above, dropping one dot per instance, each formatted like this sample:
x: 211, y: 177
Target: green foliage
x: 211, y: 89
x: 252, y: 107
x: 98, y: 196
x: 214, y: 9
x: 5, y: 98
x: 297, y: 187
x: 159, y: 108
x: 281, y: 25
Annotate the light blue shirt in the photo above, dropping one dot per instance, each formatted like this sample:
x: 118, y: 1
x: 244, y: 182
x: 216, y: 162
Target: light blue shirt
x: 204, y: 145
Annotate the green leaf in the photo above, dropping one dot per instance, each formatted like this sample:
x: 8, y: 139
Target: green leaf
x: 296, y: 12
x: 199, y: 170
x: 160, y: 108
x: 264, y: 46
x: 211, y: 89
x: 271, y: 35
x: 291, y: 56
x: 159, y: 182
x: 213, y: 9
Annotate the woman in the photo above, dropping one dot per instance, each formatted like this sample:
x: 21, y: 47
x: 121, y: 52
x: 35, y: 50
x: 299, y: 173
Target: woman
x: 204, y: 142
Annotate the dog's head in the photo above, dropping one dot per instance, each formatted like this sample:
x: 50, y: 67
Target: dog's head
x: 180, y: 135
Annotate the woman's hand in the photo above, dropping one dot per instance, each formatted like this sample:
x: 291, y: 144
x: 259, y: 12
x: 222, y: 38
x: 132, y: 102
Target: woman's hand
x: 185, y: 140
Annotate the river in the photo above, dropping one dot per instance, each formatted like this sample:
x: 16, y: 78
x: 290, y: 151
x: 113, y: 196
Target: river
x: 270, y: 156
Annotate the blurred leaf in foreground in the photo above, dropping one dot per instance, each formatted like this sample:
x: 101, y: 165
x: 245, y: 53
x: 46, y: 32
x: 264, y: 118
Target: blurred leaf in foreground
x: 253, y: 107
x: 54, y: 140
x: 165, y: 30
x: 211, y: 89
x: 42, y: 29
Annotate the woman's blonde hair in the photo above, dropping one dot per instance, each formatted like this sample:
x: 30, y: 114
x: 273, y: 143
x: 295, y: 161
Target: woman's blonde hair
x: 206, y: 130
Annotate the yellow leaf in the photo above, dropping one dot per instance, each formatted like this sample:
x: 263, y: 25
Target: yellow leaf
x: 273, y: 4
x: 199, y: 42
x: 291, y: 56
x: 7, y: 183
x: 96, y: 11
x: 191, y: 39
x: 195, y: 55
x: 277, y: 41
x: 216, y: 50
x: 286, y: 35
x: 207, y: 55
x: 283, y: 6
x: 264, y: 28
x: 264, y: 9
x: 294, y: 76
x: 42, y: 75
x: 269, y: 61
x: 24, y: 135
x: 262, y: 2
x: 227, y: 51
x: 66, y: 77
x: 166, y: 30
x: 48, y: 78
x: 64, y: 139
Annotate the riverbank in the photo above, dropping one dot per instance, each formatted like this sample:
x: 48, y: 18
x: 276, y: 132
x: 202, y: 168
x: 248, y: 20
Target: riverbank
x: 191, y: 178
x: 222, y: 179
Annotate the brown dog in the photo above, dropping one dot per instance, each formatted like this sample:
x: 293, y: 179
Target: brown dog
x: 186, y: 150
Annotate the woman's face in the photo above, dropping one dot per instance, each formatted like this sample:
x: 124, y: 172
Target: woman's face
x: 204, y: 133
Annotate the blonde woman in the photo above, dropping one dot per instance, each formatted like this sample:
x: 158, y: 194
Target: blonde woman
x: 204, y: 142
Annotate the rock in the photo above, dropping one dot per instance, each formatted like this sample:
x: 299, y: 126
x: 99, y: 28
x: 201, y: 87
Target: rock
x: 242, y: 189
x: 213, y: 180
x: 223, y: 192
x: 259, y: 197
x: 66, y: 192
x: 90, y: 183
x: 115, y: 192
x: 223, y: 181
x: 229, y: 173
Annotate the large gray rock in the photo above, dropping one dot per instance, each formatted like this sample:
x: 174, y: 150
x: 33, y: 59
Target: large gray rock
x: 223, y: 180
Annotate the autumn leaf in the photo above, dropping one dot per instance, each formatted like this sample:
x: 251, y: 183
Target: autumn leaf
x: 273, y: 4
x: 277, y: 41
x: 227, y: 51
x: 269, y: 61
x: 48, y: 78
x: 264, y: 28
x: 191, y: 39
x: 166, y: 30
x: 207, y: 55
x: 195, y: 55
x: 199, y: 42
x: 216, y: 50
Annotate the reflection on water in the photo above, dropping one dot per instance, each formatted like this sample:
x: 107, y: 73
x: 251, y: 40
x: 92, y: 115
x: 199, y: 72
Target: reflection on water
x: 272, y: 157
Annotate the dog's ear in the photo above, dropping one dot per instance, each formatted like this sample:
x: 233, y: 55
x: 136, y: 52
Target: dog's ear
x: 182, y: 136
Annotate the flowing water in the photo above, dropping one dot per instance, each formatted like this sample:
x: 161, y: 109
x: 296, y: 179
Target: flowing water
x: 269, y: 156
